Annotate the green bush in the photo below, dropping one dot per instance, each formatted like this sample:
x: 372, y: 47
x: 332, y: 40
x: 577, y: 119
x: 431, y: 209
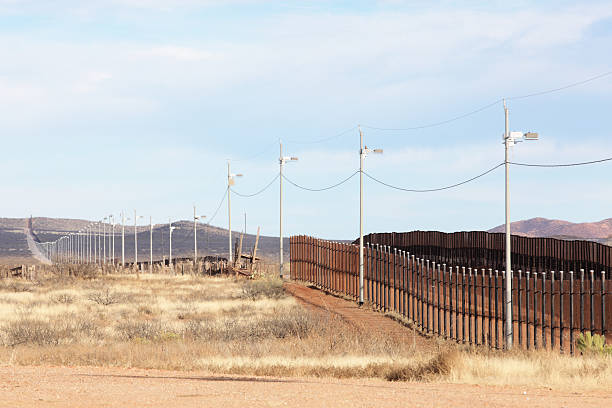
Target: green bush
x: 596, y: 344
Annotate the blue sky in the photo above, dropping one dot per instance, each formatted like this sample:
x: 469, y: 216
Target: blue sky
x: 123, y: 104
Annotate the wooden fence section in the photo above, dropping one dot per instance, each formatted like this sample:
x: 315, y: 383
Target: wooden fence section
x: 457, y: 302
x: 479, y: 249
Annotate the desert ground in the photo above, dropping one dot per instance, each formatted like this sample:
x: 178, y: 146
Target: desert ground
x: 151, y: 340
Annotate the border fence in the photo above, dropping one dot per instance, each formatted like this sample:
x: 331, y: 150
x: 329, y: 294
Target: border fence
x: 478, y: 249
x: 458, y: 302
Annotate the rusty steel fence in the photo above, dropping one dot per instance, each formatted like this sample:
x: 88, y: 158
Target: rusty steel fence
x: 461, y: 303
x: 478, y: 249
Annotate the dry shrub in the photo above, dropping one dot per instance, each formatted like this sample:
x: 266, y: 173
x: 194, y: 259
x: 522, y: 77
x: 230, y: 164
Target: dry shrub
x: 105, y: 297
x: 82, y: 271
x: 15, y: 286
x: 66, y: 329
x: 438, y: 367
x: 263, y: 288
x: 280, y: 325
x: 147, y: 330
x: 63, y: 298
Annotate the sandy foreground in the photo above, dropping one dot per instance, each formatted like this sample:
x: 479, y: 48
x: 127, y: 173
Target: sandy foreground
x: 119, y: 387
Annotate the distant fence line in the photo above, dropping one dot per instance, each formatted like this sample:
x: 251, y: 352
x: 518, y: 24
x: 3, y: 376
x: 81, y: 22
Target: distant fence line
x: 457, y: 302
x: 478, y: 249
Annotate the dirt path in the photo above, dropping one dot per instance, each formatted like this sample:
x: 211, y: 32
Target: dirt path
x: 34, y: 250
x: 118, y: 387
x: 359, y: 317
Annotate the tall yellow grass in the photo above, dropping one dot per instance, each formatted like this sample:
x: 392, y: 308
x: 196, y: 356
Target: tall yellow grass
x: 224, y: 325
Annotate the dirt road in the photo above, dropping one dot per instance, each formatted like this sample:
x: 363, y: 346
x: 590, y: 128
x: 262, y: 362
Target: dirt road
x: 117, y: 387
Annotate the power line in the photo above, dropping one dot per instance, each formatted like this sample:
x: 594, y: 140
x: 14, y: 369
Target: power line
x: 605, y: 74
x: 548, y: 91
x: 562, y: 164
x: 254, y: 155
x: 218, y: 207
x: 325, y: 139
x: 258, y: 192
x: 429, y: 190
x: 324, y: 188
x: 436, y: 123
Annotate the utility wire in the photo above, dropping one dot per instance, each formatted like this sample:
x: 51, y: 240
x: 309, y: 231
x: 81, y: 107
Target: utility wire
x: 218, y: 207
x: 605, y: 74
x: 254, y: 155
x: 429, y: 190
x: 258, y: 192
x: 325, y: 139
x: 548, y: 91
x: 437, y: 123
x: 562, y: 164
x: 324, y: 188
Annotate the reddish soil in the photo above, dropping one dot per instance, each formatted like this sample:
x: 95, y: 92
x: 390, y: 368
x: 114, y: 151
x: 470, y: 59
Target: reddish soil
x: 361, y: 317
x: 119, y: 387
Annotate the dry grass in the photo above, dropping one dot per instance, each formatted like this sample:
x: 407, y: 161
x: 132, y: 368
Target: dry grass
x: 240, y: 327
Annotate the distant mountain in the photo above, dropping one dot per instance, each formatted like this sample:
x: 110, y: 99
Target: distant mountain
x: 211, y: 240
x: 542, y: 227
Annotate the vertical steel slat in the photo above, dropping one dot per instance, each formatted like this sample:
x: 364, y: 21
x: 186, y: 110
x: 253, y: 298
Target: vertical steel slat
x: 571, y: 311
x: 527, y: 301
x: 438, y: 284
x: 482, y: 307
x: 592, y: 302
x: 490, y: 312
x: 426, y: 287
x: 518, y: 298
x: 395, y: 280
x: 444, y: 299
x: 543, y: 310
x: 552, y: 310
x: 603, y: 303
x: 535, y: 310
x: 496, y: 311
x: 581, y: 300
x: 457, y: 303
x: 463, y: 304
x: 561, y: 294
x: 469, y: 304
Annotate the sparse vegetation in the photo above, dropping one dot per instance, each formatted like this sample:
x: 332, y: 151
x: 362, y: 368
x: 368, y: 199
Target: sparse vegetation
x: 271, y: 288
x: 593, y: 344
x: 105, y: 297
x: 241, y: 327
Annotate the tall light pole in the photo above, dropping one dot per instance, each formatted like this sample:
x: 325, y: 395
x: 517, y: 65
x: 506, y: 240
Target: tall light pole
x: 230, y: 183
x: 113, y: 238
x: 363, y: 152
x: 195, y: 235
x: 136, y: 217
x: 104, y: 239
x: 122, y: 239
x: 282, y: 160
x: 170, y: 255
x: 510, y: 139
x: 150, y: 244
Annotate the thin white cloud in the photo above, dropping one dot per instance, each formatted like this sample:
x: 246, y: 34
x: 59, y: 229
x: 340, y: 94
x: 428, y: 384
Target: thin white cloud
x: 177, y: 53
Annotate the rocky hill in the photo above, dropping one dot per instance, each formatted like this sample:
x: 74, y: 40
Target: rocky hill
x: 600, y: 231
x: 211, y: 240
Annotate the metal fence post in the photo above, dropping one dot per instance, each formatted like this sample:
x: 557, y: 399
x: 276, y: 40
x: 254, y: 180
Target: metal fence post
x: 561, y: 293
x: 571, y: 306
x: 603, y: 303
x: 552, y: 310
x: 444, y: 299
x: 496, y: 311
x: 527, y: 300
x: 543, y: 310
x: 463, y: 304
x: 592, y: 302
